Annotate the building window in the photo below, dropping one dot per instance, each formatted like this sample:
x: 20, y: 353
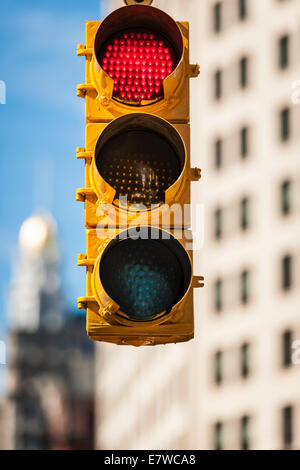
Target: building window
x: 244, y: 213
x: 244, y: 360
x: 283, y: 45
x: 285, y: 124
x: 286, y: 341
x: 244, y: 142
x: 286, y: 268
x: 286, y: 197
x: 244, y: 433
x: 218, y: 295
x: 244, y: 287
x: 217, y: 13
x: 218, y: 436
x: 243, y: 72
x: 287, y: 426
x: 218, y: 153
x: 218, y: 224
x: 218, y: 84
x: 218, y: 367
x: 242, y: 9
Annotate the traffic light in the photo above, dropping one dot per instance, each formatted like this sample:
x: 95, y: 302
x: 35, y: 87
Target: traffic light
x: 137, y: 178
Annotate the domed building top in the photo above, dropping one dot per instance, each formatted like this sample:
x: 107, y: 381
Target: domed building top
x: 36, y: 297
x: 38, y: 235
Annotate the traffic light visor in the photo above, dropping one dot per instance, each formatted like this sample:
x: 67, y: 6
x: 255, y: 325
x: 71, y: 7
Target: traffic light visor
x: 145, y: 276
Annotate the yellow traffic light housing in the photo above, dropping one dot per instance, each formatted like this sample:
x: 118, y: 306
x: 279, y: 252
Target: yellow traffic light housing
x: 137, y: 178
x: 131, y: 67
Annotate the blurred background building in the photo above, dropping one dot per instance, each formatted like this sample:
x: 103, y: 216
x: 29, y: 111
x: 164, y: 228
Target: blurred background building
x: 234, y: 386
x: 6, y: 424
x: 50, y: 396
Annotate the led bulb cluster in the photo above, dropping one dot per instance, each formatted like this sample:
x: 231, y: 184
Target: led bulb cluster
x: 138, y: 62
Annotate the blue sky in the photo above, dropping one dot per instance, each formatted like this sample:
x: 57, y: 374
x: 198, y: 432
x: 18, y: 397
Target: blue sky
x: 41, y: 125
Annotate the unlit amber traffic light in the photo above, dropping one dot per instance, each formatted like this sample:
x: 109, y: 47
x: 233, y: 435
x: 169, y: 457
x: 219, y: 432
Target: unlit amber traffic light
x: 140, y: 156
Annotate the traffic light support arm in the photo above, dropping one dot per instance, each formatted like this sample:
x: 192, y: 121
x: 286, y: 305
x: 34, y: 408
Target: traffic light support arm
x: 84, y: 261
x: 82, y: 192
x: 83, y: 88
x: 82, y: 153
x: 193, y: 70
x: 197, y: 281
x: 82, y: 50
x: 84, y: 301
x: 194, y: 174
